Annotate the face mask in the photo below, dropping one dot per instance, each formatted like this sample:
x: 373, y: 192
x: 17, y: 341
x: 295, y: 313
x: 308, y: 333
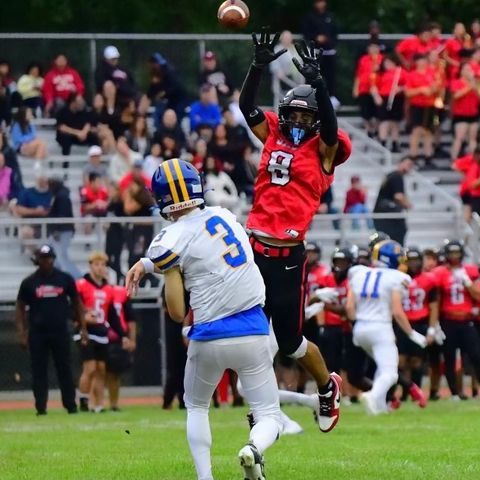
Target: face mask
x: 297, y: 134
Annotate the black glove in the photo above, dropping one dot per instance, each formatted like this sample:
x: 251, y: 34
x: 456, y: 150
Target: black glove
x: 311, y: 68
x: 264, y: 53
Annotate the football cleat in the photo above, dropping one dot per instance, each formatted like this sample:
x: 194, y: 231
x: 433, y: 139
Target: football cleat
x: 252, y: 463
x: 394, y: 404
x: 83, y: 404
x: 290, y: 427
x: 327, y: 411
x: 417, y: 395
x: 250, y: 420
x: 370, y: 404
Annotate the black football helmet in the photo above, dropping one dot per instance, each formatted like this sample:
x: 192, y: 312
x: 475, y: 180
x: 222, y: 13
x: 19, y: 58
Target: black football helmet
x: 414, y: 258
x: 377, y: 237
x: 454, y: 251
x: 301, y: 98
x: 364, y: 256
x: 342, y: 260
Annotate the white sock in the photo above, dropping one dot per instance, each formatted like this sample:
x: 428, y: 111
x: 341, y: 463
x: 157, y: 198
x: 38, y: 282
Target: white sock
x: 264, y: 433
x: 381, y: 385
x: 298, y: 398
x: 200, y: 441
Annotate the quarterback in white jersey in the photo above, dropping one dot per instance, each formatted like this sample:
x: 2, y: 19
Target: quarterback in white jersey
x: 206, y: 252
x: 375, y: 296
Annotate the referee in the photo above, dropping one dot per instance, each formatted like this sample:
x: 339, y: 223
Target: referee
x: 49, y: 295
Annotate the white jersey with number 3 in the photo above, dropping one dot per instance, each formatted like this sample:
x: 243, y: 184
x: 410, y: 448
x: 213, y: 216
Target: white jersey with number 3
x: 216, y: 260
x: 372, y: 288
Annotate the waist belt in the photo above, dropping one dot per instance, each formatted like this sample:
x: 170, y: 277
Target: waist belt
x: 269, y: 250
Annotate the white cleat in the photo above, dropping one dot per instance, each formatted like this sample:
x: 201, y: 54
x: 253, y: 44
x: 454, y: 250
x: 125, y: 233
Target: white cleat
x: 290, y: 427
x: 252, y: 463
x: 369, y: 404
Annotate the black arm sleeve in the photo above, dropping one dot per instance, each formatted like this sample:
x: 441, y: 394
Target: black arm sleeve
x: 327, y: 116
x: 433, y: 295
x: 253, y: 115
x: 114, y: 321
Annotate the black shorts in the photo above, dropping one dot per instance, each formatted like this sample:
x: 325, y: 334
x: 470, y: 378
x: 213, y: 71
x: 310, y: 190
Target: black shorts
x: 94, y: 351
x: 406, y: 346
x: 464, y: 119
x: 396, y: 113
x: 285, y: 281
x: 119, y: 360
x: 368, y: 109
x: 422, y: 117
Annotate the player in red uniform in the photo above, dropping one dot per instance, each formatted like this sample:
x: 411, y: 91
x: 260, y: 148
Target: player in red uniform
x: 421, y: 308
x: 459, y: 288
x: 97, y: 298
x: 302, y: 147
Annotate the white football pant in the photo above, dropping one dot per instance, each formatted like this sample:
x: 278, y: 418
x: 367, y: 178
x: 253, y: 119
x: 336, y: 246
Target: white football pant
x: 378, y: 341
x: 250, y: 358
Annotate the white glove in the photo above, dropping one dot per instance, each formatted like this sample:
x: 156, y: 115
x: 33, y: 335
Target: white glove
x: 185, y: 331
x: 462, y: 275
x: 313, y: 309
x: 437, y: 333
x: 418, y: 338
x: 327, y: 294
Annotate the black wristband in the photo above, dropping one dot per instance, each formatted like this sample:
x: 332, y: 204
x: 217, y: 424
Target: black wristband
x: 326, y: 113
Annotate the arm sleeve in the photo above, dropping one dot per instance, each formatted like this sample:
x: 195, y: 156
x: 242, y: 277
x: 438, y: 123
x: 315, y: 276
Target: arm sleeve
x: 248, y: 96
x: 433, y: 295
x: 326, y: 113
x: 114, y: 321
x: 397, y: 184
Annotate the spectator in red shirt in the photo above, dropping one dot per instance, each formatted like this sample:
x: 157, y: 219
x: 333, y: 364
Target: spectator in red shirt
x: 464, y: 110
x: 390, y: 99
x: 135, y: 175
x: 417, y: 44
x: 437, y: 42
x: 59, y: 83
x: 421, y: 90
x: 475, y: 29
x: 472, y: 181
x: 94, y: 197
x: 365, y: 80
x: 355, y: 201
x: 461, y: 40
x: 463, y: 165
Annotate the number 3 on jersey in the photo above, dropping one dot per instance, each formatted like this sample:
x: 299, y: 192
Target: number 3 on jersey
x: 279, y: 167
x: 212, y: 225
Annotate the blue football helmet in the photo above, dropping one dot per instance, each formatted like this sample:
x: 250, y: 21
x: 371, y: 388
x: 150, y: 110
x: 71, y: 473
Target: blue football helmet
x: 177, y: 185
x: 387, y: 253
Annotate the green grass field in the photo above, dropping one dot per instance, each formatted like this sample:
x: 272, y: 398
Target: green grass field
x: 441, y: 442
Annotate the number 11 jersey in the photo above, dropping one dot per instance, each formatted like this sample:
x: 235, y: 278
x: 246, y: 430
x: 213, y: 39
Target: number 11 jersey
x: 372, y: 288
x: 290, y: 183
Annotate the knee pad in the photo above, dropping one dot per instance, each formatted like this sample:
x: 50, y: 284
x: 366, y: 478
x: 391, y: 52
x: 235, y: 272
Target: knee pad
x: 301, y: 350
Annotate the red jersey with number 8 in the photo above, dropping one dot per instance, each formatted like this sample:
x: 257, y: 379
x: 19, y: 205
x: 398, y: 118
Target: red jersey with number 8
x: 290, y: 183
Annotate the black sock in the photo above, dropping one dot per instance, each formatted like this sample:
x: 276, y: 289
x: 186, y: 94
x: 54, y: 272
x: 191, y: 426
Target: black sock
x: 326, y: 388
x: 417, y: 374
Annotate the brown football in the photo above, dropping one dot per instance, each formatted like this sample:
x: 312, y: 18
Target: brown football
x: 233, y: 14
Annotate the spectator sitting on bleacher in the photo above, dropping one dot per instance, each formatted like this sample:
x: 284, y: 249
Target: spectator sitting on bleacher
x: 122, y: 161
x: 199, y: 154
x: 115, y: 82
x: 355, y: 200
x: 206, y: 110
x: 134, y: 175
x: 60, y: 234
x: 165, y: 90
x: 101, y: 123
x: 11, y: 161
x: 24, y: 136
x: 123, y: 118
x: 138, y: 137
x: 170, y: 126
x: 9, y: 96
x: 60, y: 82
x: 153, y: 160
x: 219, y: 186
x: 29, y: 86
x: 34, y: 202
x: 94, y: 164
x: 215, y: 76
x: 5, y: 183
x: 170, y: 148
x: 94, y: 196
x: 74, y: 125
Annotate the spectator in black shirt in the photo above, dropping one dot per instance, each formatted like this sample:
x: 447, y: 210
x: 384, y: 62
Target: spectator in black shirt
x: 166, y: 90
x: 392, y: 199
x: 115, y: 82
x: 216, y: 77
x: 170, y: 127
x: 374, y: 32
x: 102, y: 123
x: 60, y: 234
x: 74, y: 126
x: 11, y: 161
x: 49, y: 294
x: 320, y: 27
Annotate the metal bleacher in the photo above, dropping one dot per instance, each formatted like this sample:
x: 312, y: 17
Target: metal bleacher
x: 435, y: 216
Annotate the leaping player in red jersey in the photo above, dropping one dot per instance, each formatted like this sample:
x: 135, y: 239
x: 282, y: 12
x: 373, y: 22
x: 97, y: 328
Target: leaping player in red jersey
x: 302, y: 147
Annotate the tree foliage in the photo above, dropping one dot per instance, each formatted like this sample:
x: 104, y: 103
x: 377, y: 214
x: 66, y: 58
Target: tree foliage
x: 194, y: 16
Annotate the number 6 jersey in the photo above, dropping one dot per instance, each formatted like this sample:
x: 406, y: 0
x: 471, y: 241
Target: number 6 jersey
x: 372, y: 288
x: 290, y: 182
x: 216, y: 260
